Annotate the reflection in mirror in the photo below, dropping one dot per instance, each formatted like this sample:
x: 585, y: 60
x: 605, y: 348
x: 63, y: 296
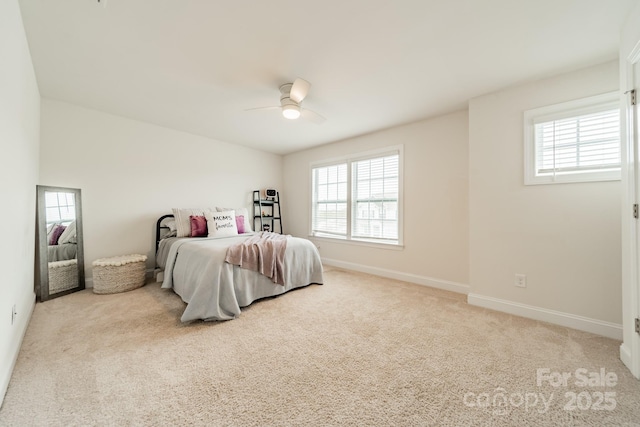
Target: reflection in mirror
x: 60, y: 261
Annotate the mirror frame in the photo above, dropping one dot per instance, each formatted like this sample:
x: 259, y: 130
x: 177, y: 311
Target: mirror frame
x: 42, y: 264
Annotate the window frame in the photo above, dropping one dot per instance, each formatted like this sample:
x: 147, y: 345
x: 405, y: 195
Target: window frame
x: 561, y: 111
x: 349, y: 160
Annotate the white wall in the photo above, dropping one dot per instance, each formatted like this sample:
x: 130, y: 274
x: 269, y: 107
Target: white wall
x: 19, y: 144
x: 435, y: 202
x: 131, y: 172
x: 565, y: 237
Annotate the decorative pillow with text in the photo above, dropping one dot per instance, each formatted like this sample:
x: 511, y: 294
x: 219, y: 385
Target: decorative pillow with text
x: 221, y: 224
x: 68, y: 234
x: 240, y: 211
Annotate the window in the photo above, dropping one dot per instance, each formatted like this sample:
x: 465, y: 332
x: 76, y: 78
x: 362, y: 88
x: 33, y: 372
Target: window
x: 358, y: 198
x: 375, y: 198
x: 60, y: 207
x: 330, y: 200
x: 573, y: 142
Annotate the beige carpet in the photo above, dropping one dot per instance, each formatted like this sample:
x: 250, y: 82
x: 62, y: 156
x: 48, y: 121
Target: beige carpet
x: 359, y: 350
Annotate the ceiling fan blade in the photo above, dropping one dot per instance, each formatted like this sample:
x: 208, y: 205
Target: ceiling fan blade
x: 264, y: 108
x: 299, y: 90
x: 312, y: 116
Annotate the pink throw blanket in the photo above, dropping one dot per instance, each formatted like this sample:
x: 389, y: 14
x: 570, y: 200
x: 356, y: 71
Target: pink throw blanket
x: 262, y: 252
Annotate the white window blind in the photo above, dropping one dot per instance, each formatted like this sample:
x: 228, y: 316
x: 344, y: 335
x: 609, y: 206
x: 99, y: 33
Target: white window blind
x: 375, y: 198
x: 585, y: 143
x: 330, y: 200
x: 575, y: 141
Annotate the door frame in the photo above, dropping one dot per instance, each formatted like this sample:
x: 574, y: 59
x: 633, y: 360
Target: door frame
x: 630, y: 347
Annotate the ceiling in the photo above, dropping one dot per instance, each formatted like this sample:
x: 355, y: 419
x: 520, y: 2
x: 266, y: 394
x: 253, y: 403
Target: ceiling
x: 198, y: 65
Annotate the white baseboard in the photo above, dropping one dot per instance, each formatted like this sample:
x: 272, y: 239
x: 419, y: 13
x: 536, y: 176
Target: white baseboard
x: 625, y: 355
x: 627, y: 359
x: 399, y: 275
x: 15, y: 350
x: 599, y: 327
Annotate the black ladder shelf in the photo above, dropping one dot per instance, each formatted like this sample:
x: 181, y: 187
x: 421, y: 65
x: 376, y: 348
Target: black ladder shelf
x: 266, y: 212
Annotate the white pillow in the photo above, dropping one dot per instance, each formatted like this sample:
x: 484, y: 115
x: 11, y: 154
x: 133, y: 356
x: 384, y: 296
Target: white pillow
x: 240, y: 211
x: 50, y: 230
x: 221, y: 224
x: 68, y: 234
x: 183, y: 224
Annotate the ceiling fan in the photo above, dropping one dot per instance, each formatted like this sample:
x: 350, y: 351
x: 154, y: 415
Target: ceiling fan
x: 291, y: 96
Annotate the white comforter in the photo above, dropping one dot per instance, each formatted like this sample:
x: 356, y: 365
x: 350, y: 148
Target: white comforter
x: 215, y: 290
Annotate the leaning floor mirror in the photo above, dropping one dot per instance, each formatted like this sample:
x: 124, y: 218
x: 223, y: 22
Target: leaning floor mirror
x: 60, y: 254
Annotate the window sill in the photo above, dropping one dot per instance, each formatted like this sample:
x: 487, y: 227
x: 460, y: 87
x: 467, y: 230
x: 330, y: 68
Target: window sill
x: 573, y: 178
x: 366, y: 243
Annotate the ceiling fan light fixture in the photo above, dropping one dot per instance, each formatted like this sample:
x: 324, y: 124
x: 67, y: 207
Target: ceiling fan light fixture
x: 291, y: 112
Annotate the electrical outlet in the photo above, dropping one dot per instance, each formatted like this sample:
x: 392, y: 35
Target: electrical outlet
x: 14, y: 313
x: 521, y: 281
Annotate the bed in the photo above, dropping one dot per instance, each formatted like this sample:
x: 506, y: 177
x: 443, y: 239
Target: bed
x: 65, y: 251
x: 195, y: 269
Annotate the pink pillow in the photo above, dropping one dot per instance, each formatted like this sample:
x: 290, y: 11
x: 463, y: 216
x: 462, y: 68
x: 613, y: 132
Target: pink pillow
x: 240, y: 223
x: 198, y: 226
x: 56, y: 233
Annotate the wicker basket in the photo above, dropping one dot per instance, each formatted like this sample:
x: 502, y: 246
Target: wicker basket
x: 118, y: 274
x: 63, y: 275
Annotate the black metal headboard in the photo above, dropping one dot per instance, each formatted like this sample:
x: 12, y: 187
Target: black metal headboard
x: 160, y: 227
